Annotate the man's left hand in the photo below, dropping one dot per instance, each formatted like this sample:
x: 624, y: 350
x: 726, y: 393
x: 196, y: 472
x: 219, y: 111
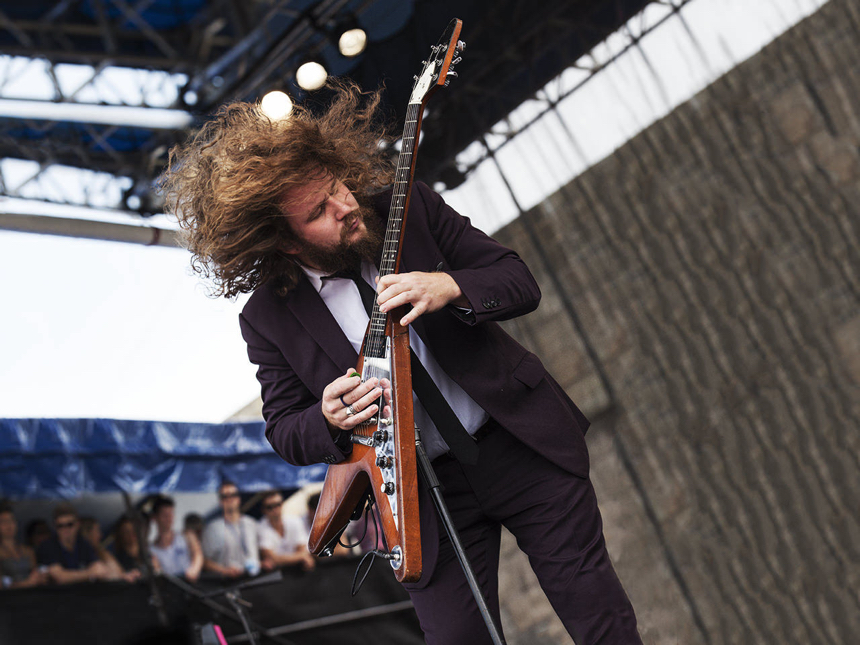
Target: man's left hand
x: 426, y: 292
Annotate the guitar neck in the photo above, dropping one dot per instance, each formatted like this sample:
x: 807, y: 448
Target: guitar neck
x: 437, y: 70
x: 390, y: 262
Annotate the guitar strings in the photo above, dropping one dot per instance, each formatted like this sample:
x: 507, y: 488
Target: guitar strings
x: 375, y: 345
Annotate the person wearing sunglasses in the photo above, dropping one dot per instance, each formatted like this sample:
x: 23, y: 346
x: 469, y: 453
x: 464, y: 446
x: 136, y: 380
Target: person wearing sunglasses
x: 283, y: 540
x: 230, y: 542
x: 69, y: 558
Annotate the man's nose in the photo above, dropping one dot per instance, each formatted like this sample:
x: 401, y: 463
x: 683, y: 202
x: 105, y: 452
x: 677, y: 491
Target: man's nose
x: 343, y: 207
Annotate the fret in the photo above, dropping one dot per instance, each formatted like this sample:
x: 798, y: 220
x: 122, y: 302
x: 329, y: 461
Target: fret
x: 375, y: 341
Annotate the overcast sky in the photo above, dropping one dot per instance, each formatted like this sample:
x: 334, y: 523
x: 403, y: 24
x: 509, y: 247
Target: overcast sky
x: 108, y: 330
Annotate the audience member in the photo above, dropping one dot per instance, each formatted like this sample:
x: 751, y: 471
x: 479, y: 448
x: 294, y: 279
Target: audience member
x: 68, y: 556
x: 37, y: 531
x: 126, y: 545
x: 91, y: 531
x: 178, y: 555
x: 17, y: 561
x: 230, y: 541
x: 283, y: 540
x: 193, y: 522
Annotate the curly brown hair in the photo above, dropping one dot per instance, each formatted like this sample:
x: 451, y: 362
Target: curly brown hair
x: 226, y: 184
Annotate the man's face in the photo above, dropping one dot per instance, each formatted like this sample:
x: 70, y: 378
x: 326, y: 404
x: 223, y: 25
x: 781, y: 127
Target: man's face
x: 272, y: 506
x: 164, y: 518
x: 66, y: 527
x: 229, y: 498
x: 331, y: 225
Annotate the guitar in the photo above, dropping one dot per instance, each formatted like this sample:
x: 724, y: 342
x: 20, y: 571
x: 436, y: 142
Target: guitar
x: 383, y: 459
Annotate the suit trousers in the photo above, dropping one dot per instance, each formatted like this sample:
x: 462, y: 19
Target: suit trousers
x: 554, y: 517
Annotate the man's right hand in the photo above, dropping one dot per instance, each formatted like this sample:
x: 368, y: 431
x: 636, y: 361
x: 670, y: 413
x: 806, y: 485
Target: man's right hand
x: 351, y: 391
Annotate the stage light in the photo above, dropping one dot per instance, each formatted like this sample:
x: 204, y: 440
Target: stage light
x: 276, y: 105
x: 311, y: 76
x: 133, y: 202
x: 352, y: 42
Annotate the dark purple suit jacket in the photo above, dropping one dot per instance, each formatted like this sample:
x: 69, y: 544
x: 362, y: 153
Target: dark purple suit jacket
x: 300, y: 348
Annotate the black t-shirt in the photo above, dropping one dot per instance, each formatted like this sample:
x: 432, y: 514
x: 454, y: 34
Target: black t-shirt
x: 126, y: 560
x: 52, y: 552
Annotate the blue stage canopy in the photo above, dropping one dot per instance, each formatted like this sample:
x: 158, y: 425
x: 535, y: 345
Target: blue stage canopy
x: 65, y: 458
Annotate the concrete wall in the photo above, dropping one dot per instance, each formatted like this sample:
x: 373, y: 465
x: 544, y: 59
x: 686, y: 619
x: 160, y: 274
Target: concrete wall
x: 713, y: 266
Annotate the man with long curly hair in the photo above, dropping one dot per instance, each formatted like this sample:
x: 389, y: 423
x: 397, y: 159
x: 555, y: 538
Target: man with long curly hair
x: 277, y: 207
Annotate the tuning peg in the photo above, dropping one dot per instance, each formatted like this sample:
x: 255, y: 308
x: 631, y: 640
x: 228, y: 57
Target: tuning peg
x: 451, y: 72
x: 456, y: 60
x: 415, y: 78
x: 461, y: 46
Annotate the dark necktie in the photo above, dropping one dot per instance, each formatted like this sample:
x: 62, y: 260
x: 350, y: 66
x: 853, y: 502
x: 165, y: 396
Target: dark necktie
x: 462, y: 445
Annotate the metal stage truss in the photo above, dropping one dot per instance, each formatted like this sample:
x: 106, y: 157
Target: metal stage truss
x: 200, y: 54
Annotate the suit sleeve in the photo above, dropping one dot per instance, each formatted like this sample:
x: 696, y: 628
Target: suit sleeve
x: 295, y: 426
x: 494, y: 279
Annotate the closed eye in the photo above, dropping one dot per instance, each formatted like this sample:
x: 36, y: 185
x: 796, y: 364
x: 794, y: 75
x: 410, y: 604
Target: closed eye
x: 319, y: 210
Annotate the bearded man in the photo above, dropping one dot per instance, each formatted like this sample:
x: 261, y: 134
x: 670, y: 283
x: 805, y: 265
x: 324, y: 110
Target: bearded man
x: 277, y: 208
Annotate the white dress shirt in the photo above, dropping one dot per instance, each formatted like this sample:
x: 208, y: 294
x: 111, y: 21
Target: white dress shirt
x: 343, y: 300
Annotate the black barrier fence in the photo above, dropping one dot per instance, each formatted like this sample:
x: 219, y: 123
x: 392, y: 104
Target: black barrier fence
x: 301, y: 608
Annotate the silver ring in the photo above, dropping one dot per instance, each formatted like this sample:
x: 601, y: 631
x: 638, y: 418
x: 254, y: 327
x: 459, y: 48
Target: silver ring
x: 350, y: 410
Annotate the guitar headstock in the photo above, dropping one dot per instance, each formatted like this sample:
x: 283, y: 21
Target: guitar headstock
x: 439, y: 67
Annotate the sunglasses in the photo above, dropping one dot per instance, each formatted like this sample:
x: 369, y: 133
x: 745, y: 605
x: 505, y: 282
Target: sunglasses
x: 66, y: 525
x: 272, y: 506
x: 228, y: 495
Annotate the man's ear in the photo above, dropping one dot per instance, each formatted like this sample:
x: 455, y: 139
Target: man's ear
x: 290, y: 247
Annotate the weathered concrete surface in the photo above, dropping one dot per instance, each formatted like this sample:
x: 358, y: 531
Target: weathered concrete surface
x: 713, y: 264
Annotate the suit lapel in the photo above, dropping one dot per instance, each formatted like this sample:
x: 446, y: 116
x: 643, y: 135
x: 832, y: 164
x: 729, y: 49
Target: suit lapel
x: 311, y: 312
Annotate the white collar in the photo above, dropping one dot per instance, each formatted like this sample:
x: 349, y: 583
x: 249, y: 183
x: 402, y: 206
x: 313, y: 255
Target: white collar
x: 314, y: 275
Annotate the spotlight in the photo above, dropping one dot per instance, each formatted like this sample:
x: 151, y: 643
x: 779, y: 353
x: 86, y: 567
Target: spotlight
x: 352, y: 42
x: 133, y: 202
x: 276, y: 105
x: 311, y: 76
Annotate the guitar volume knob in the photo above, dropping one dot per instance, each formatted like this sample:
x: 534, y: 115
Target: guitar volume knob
x: 388, y: 488
x: 383, y: 462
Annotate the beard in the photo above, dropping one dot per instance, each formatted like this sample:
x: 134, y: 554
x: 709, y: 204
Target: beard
x: 347, y: 255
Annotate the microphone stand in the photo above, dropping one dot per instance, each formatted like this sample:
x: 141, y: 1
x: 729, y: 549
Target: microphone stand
x: 240, y: 606
x: 429, y: 474
x: 140, y: 527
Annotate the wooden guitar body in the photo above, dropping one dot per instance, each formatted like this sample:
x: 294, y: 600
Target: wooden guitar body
x: 393, y: 479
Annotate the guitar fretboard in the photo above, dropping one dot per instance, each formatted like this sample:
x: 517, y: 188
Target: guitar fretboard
x: 374, y: 345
